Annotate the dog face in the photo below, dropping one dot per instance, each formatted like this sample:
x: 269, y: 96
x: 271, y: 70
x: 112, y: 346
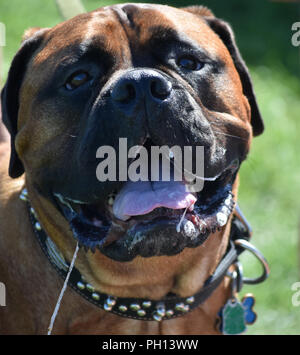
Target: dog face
x: 154, y: 75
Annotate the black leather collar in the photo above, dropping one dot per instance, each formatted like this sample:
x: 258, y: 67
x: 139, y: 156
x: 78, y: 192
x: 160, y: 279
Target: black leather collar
x: 168, y: 307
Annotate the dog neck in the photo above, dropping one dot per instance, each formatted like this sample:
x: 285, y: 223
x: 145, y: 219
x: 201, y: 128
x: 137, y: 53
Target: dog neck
x: 183, y: 274
x: 151, y: 278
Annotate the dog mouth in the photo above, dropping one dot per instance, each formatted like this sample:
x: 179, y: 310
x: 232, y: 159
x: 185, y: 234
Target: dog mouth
x: 151, y: 218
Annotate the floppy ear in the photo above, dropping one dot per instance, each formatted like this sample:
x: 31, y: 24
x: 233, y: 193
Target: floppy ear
x: 224, y: 31
x: 10, y: 95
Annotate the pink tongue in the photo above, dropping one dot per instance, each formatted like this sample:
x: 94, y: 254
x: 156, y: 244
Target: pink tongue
x: 142, y: 197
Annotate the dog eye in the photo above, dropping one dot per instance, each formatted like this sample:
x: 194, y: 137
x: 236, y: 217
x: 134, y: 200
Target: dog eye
x: 76, y: 80
x: 189, y: 63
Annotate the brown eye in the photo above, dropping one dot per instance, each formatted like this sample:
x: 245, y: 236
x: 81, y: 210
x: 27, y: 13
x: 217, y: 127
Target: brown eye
x: 76, y: 80
x: 189, y: 63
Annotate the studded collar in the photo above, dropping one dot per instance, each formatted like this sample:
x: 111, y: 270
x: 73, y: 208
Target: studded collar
x: 169, y: 307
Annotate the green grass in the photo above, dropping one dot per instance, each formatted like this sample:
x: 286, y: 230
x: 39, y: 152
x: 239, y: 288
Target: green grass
x: 269, y: 196
x: 269, y: 188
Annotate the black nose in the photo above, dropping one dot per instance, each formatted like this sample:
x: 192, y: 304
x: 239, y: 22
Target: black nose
x: 137, y: 84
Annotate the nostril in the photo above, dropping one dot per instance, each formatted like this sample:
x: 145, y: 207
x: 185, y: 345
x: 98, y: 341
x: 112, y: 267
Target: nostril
x: 160, y: 89
x: 123, y: 93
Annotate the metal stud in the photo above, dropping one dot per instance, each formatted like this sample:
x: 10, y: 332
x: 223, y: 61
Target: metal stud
x: 186, y: 308
x: 90, y: 288
x: 135, y: 307
x: 180, y: 307
x: 95, y: 296
x: 190, y: 300
x: 110, y: 301
x: 107, y: 307
x: 37, y: 226
x: 23, y: 197
x: 161, y: 311
x: 80, y: 285
x: 146, y: 304
x: 157, y: 317
x: 122, y: 308
x: 141, y: 312
x: 32, y: 211
x: 169, y: 313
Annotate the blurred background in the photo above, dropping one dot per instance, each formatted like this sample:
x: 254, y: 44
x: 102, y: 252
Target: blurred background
x: 270, y: 178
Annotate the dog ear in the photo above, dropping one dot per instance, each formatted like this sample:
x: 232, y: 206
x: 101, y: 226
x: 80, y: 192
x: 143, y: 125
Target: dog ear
x: 10, y: 95
x: 30, y: 32
x: 224, y: 31
x: 199, y: 10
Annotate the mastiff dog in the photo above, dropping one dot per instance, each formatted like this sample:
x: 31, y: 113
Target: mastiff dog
x: 152, y: 257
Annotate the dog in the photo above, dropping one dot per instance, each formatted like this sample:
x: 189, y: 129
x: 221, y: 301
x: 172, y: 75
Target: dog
x: 155, y: 75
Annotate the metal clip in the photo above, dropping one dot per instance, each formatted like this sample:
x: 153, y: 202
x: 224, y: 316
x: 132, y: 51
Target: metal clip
x: 252, y: 249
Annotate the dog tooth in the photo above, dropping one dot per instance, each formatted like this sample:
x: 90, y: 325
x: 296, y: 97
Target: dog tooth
x: 200, y: 226
x: 190, y: 230
x: 228, y: 201
x: 111, y: 201
x: 225, y: 210
x: 221, y: 219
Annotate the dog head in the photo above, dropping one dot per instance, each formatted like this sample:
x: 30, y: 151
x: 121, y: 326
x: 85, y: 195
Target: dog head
x: 155, y: 76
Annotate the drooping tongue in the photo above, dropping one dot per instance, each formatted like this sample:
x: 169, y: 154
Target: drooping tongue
x: 142, y: 197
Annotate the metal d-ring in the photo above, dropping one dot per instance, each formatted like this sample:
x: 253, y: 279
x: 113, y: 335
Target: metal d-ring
x: 266, y: 270
x: 236, y: 277
x: 239, y: 279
